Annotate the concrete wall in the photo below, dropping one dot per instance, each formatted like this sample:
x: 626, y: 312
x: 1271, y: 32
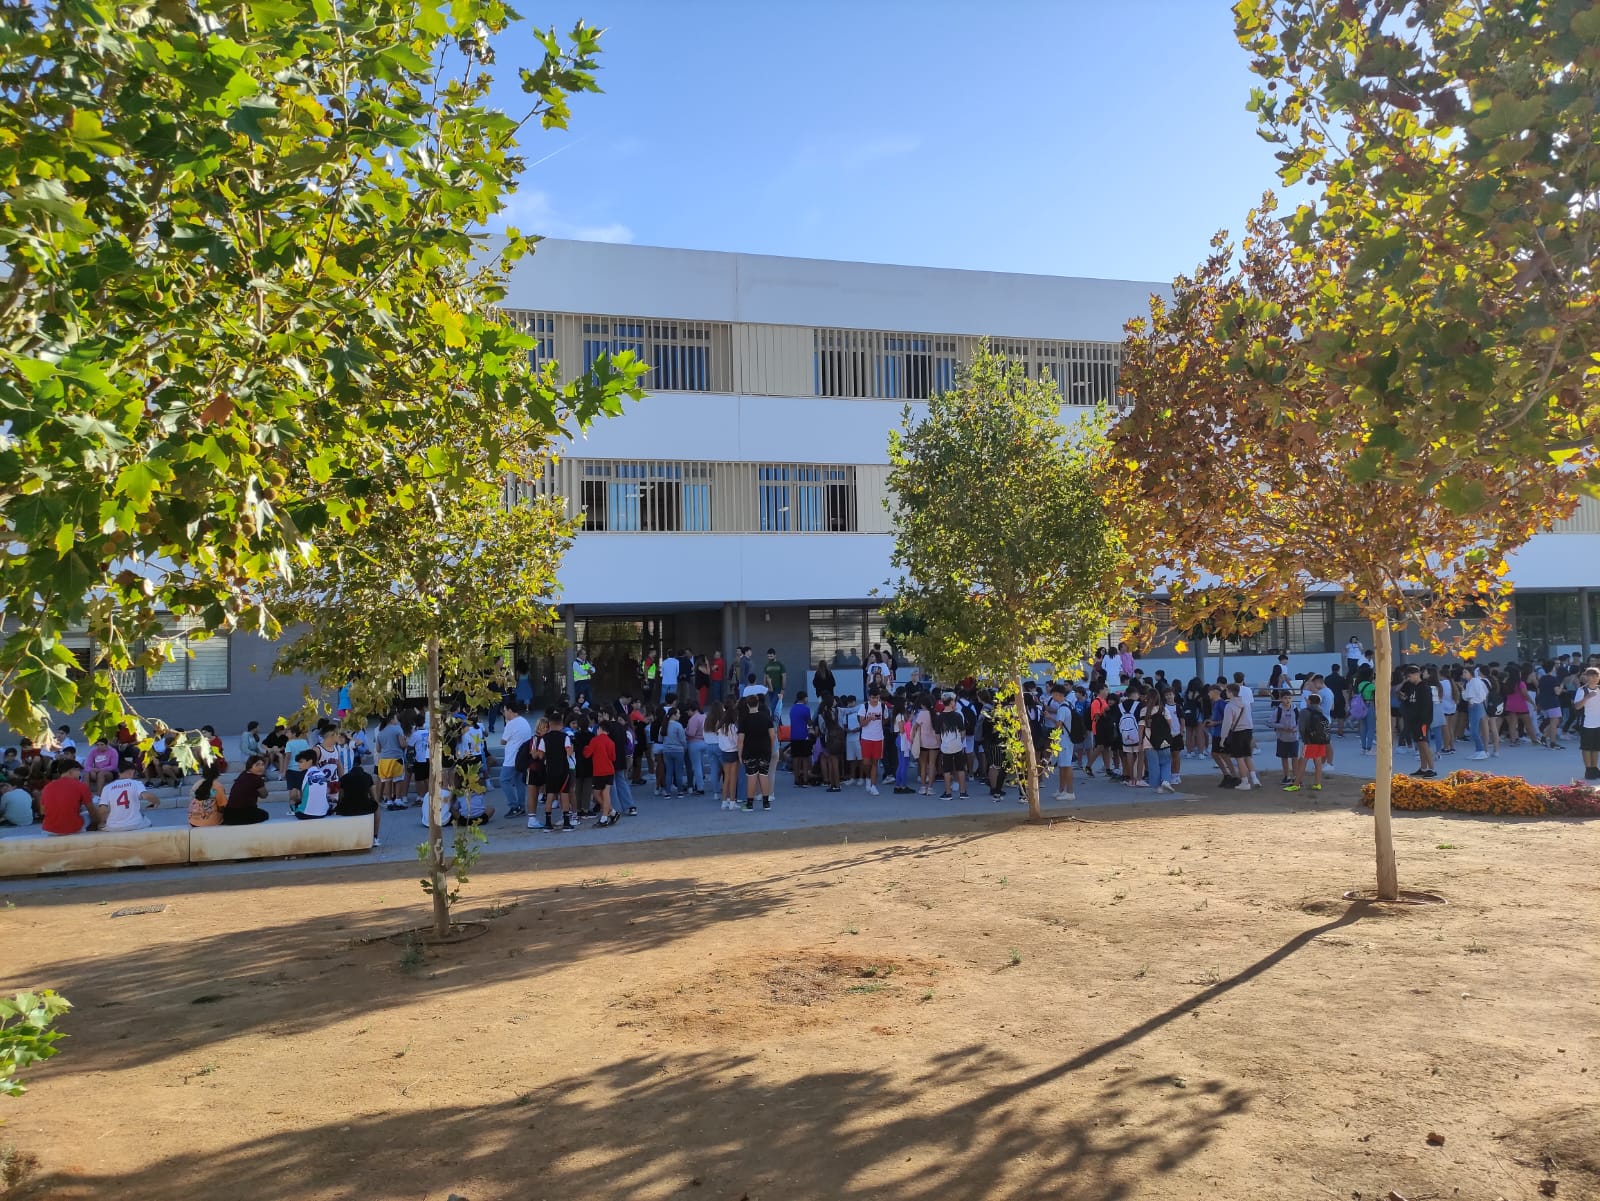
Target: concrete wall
x: 654, y: 281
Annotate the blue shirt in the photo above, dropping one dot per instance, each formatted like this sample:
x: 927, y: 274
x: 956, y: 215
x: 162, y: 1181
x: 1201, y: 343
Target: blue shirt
x: 799, y: 722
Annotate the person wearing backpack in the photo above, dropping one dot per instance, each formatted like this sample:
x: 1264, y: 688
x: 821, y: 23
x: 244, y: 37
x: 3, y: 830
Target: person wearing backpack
x: 1238, y: 742
x: 1131, y: 738
x: 1065, y: 718
x: 1361, y: 709
x: 1158, y: 737
x: 1103, y: 718
x: 1287, y: 731
x: 1314, y: 732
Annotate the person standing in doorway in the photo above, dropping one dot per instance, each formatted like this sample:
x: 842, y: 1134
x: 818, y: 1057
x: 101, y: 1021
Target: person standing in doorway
x: 670, y: 670
x: 582, y: 680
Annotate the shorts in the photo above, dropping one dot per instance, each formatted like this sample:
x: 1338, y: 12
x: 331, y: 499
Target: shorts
x: 1553, y: 714
x: 1291, y: 750
x: 852, y: 747
x: 872, y: 748
x: 556, y: 782
x: 390, y: 769
x: 1216, y: 745
x: 604, y: 781
x: 800, y: 748
x: 1064, y: 757
x: 1417, y: 731
x: 952, y: 761
x: 967, y: 743
x: 294, y: 777
x: 729, y: 756
x: 758, y: 765
x: 1240, y: 744
x: 419, y: 771
x: 1589, y: 739
x: 1316, y: 751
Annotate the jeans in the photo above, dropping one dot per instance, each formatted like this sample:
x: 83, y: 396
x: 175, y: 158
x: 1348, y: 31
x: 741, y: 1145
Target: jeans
x: 711, y: 767
x: 1436, y: 735
x: 903, y: 769
x: 1157, y: 766
x: 621, y: 794
x: 1475, y: 727
x: 514, y: 786
x: 1369, y: 730
x: 697, y: 764
x: 672, y: 759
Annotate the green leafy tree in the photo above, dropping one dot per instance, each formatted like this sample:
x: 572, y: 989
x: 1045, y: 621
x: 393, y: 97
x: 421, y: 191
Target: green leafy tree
x: 26, y: 1036
x: 1451, y: 149
x: 1006, y: 557
x: 233, y: 234
x: 1241, y: 491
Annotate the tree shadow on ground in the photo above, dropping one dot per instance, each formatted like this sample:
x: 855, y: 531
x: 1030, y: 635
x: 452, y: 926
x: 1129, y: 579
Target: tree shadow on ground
x: 140, y: 1006
x: 968, y: 1123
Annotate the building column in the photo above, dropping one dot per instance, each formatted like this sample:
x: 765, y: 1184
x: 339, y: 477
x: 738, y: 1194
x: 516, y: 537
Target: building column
x: 1583, y: 622
x: 744, y: 625
x: 572, y: 647
x: 729, y: 659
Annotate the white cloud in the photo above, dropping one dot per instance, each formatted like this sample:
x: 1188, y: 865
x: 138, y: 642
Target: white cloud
x: 532, y: 212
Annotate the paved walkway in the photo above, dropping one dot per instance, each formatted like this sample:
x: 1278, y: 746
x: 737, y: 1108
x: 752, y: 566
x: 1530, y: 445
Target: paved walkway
x: 794, y: 809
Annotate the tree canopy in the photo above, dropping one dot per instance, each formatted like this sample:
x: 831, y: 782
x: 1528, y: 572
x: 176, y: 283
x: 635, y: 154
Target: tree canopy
x: 1007, y: 556
x: 1450, y: 146
x: 233, y: 235
x: 1239, y: 490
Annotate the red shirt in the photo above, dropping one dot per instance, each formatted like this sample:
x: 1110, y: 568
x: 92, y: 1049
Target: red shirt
x: 602, y: 753
x: 62, y: 803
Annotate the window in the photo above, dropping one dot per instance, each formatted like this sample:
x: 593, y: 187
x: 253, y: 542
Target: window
x: 838, y: 638
x: 1310, y: 631
x: 852, y: 362
x: 200, y: 664
x: 679, y: 353
x: 652, y: 497
x: 540, y: 326
x: 807, y: 499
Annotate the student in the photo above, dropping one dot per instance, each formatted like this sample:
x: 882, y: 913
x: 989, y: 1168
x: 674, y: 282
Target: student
x: 874, y: 718
x: 313, y: 799
x: 1238, y: 742
x: 357, y: 798
x: 250, y: 741
x: 1550, y: 706
x: 1157, y: 736
x: 727, y: 733
x: 101, y: 766
x: 208, y: 802
x: 755, y: 750
x: 601, y: 753
x: 1314, y: 730
x: 16, y: 806
x: 674, y: 749
x: 244, y: 798
x: 850, y: 719
x: 391, y: 743
x: 925, y: 742
x: 123, y: 801
x: 469, y: 805
x: 952, y: 733
x: 800, y: 739
x: 694, y: 750
x: 1587, y: 704
x: 776, y: 677
x: 65, y: 801
x: 559, y: 761
x: 1416, y: 714
x: 1286, y: 729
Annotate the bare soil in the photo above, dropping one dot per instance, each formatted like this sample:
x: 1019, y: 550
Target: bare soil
x: 1165, y: 1002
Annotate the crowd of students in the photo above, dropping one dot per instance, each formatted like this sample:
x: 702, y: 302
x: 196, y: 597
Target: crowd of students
x: 579, y: 762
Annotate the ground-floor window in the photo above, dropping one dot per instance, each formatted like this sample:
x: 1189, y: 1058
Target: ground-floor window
x: 200, y: 663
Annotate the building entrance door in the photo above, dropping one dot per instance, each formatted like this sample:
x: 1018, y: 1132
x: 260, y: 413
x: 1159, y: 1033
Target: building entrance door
x: 617, y: 647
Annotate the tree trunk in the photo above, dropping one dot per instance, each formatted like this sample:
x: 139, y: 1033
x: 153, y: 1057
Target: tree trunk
x: 1382, y: 823
x: 436, y: 861
x: 1030, y: 773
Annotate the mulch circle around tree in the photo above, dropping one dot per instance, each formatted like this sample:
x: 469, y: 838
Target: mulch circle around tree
x: 1406, y: 897
x: 424, y: 935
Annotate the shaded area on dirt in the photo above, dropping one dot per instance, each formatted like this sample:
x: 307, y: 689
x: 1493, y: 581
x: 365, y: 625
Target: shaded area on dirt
x: 713, y: 1125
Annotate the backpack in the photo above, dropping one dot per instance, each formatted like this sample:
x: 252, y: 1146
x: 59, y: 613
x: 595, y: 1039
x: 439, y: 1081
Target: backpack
x: 1128, y: 727
x: 1105, y: 728
x: 1078, y: 727
x: 1358, y: 707
x: 1316, y: 727
x: 1160, y: 730
x: 969, y: 718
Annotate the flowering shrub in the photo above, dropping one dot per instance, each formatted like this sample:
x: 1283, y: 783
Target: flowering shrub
x: 1479, y: 792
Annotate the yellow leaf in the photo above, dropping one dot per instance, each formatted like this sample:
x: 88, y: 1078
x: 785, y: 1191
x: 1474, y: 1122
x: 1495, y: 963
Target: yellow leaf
x: 1181, y: 647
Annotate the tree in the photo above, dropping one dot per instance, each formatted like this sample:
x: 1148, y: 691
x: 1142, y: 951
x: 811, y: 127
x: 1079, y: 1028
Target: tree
x: 1452, y: 150
x: 25, y: 1034
x: 444, y: 584
x: 1007, y: 559
x: 232, y: 234
x: 1242, y: 489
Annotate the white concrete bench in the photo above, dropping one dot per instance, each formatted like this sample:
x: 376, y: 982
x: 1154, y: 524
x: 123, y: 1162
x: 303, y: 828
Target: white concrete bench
x: 273, y: 839
x: 93, y: 851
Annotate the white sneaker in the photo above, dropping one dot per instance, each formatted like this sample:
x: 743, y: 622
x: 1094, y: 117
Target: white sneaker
x: 1481, y: 755
x: 872, y: 789
x: 1177, y: 780
x: 1255, y: 780
x: 1245, y: 786
x: 377, y: 842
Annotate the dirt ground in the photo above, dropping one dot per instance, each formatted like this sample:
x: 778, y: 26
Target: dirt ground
x: 1165, y: 1002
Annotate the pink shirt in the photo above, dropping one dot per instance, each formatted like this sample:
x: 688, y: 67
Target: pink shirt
x: 695, y: 731
x: 101, y: 758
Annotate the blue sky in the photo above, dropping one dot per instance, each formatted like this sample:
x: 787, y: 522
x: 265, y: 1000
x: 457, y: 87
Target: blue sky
x: 1075, y: 137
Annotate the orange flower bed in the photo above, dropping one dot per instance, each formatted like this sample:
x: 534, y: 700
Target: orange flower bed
x: 1477, y: 792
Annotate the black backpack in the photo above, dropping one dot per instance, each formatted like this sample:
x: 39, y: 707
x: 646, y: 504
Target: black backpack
x: 1316, y: 727
x: 969, y: 718
x: 1160, y: 730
